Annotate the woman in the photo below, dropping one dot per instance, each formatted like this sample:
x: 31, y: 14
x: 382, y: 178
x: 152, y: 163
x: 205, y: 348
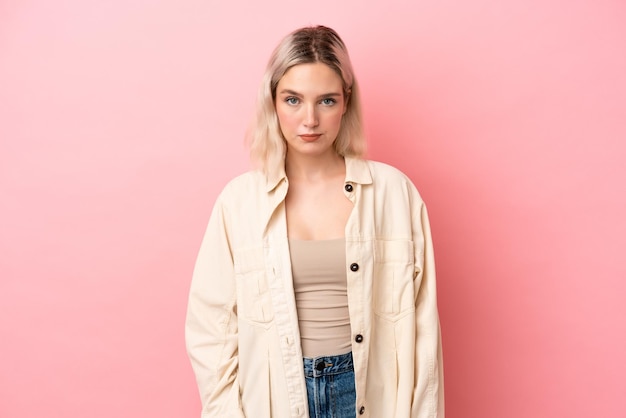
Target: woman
x: 314, y: 289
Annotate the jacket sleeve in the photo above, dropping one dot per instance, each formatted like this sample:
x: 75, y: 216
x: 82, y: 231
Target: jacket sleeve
x: 428, y: 396
x: 211, y: 323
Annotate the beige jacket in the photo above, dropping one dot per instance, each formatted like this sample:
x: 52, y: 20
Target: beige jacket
x: 242, y: 330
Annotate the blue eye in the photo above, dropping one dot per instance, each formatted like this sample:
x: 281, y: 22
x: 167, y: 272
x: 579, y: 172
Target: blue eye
x: 328, y: 101
x: 292, y: 100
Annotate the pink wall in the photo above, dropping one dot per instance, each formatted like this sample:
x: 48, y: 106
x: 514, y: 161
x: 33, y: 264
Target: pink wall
x: 120, y: 122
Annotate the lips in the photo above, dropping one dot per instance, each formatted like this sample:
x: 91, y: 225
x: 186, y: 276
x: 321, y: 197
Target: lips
x: 309, y: 137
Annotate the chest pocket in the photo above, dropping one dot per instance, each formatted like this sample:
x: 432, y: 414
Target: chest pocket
x: 393, y: 286
x: 254, y: 301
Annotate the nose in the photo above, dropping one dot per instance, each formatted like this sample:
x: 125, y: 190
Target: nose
x: 310, y: 118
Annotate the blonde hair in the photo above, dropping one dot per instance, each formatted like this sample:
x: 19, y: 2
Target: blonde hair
x: 304, y: 46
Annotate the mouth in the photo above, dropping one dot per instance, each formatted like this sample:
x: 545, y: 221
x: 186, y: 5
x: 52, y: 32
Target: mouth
x: 309, y: 137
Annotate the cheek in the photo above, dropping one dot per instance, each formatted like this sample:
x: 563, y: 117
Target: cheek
x: 336, y: 119
x: 285, y: 119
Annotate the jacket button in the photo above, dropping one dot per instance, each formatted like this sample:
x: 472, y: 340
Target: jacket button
x: 354, y: 267
x: 361, y: 410
x: 348, y: 188
x: 358, y: 338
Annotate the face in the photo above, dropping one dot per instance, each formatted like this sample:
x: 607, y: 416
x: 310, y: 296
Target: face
x: 310, y: 104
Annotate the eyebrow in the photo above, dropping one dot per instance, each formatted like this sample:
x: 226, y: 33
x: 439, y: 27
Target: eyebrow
x: 295, y: 93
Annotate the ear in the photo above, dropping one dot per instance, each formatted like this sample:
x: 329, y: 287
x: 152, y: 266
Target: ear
x: 346, y: 100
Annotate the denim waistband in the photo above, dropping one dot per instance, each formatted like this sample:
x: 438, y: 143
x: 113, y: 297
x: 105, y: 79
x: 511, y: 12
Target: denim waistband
x: 328, y: 365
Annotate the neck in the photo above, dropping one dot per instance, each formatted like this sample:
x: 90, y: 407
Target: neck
x: 300, y: 167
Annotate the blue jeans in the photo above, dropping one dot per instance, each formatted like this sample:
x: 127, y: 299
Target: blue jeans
x: 330, y: 386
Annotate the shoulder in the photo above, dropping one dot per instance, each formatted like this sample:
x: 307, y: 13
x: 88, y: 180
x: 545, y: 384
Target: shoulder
x: 390, y: 178
x: 247, y: 179
x: 243, y: 186
x: 383, y: 171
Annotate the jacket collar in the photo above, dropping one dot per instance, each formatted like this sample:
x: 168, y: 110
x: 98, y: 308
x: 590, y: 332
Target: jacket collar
x: 357, y: 171
x: 274, y: 178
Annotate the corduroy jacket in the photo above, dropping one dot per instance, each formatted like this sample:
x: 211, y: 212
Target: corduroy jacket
x: 242, y: 328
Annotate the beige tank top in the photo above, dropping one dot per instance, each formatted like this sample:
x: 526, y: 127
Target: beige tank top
x: 320, y: 285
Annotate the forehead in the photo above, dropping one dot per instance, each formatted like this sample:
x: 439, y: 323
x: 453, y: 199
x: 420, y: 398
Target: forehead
x: 310, y: 77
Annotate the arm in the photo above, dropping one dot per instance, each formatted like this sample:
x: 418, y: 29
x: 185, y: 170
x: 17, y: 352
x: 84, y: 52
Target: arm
x: 428, y: 399
x: 211, y: 324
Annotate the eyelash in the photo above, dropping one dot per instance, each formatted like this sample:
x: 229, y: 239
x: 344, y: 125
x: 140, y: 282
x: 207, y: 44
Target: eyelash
x: 294, y: 101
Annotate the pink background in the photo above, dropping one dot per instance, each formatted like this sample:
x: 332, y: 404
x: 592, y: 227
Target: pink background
x: 120, y: 121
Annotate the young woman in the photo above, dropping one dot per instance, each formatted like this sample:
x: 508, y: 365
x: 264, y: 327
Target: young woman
x: 314, y: 290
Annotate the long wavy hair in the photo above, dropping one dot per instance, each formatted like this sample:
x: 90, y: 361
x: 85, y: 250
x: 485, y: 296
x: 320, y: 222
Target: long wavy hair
x: 304, y: 46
